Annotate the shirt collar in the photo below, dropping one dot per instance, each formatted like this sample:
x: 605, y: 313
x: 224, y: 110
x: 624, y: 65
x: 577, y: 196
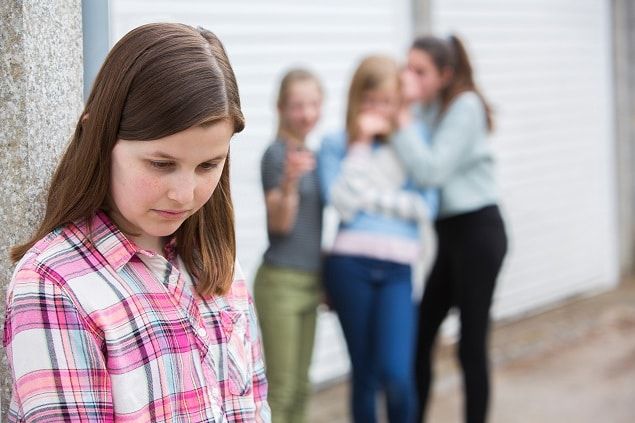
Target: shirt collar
x: 116, y: 248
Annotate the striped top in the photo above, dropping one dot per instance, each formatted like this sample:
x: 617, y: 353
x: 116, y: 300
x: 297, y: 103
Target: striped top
x: 106, y: 331
x: 300, y: 249
x: 381, y: 211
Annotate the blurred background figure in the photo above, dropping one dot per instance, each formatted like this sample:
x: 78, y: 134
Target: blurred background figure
x: 472, y: 240
x: 368, y: 274
x: 287, y: 286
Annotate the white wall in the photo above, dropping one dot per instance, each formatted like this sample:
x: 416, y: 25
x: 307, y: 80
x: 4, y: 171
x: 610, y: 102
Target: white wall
x: 263, y: 38
x: 544, y: 64
x: 546, y: 67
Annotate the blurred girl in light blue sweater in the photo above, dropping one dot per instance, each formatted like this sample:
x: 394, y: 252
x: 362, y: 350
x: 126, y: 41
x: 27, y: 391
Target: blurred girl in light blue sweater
x: 471, y: 235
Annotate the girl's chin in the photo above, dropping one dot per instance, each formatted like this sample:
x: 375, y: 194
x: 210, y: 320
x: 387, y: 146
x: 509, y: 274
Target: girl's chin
x: 166, y: 229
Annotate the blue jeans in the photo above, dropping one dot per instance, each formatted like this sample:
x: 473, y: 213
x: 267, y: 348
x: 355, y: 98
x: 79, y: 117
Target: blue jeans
x: 373, y: 301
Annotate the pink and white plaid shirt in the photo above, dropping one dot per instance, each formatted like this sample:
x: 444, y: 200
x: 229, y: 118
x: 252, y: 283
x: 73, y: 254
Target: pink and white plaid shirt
x: 108, y: 332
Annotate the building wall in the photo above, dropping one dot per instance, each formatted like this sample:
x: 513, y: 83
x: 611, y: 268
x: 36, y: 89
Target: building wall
x: 546, y: 66
x: 262, y: 40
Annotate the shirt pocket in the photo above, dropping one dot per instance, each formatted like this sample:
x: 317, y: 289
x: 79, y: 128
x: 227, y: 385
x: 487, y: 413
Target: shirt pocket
x: 239, y: 362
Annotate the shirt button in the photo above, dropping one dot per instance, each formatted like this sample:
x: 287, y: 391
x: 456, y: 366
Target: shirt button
x: 201, y: 332
x: 173, y: 278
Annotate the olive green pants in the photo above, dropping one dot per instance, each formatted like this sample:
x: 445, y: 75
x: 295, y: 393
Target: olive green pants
x: 286, y: 303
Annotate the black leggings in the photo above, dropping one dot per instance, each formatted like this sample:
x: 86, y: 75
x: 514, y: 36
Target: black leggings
x: 471, y: 250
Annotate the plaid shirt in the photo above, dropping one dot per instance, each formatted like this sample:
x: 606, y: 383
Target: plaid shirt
x: 108, y: 332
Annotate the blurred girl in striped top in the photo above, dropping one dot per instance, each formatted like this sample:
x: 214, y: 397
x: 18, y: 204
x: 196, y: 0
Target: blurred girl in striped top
x: 287, y: 286
x: 368, y: 274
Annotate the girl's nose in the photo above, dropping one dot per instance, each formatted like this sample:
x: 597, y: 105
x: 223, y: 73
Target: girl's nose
x: 182, y: 189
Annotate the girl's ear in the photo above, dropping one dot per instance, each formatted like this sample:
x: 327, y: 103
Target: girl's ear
x: 84, y: 118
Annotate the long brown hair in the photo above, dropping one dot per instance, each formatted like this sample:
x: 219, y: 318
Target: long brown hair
x: 159, y: 79
x: 451, y: 54
x: 373, y: 72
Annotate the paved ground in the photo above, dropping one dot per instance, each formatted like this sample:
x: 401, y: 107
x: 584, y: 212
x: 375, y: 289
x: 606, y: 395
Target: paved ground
x: 574, y: 364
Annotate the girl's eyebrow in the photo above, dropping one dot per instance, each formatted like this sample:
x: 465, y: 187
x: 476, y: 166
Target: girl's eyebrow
x: 162, y: 155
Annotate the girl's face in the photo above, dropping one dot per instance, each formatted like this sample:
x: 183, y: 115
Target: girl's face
x: 302, y: 109
x: 431, y: 79
x: 156, y: 185
x: 383, y: 101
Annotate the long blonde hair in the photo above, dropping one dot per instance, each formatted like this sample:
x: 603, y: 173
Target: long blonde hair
x: 373, y: 72
x: 159, y: 79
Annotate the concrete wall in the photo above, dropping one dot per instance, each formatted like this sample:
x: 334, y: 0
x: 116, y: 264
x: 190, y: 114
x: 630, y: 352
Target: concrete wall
x: 40, y: 99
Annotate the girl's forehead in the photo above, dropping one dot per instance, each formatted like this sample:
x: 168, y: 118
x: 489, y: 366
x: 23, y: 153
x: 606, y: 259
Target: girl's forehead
x: 190, y: 142
x: 384, y: 90
x: 304, y: 87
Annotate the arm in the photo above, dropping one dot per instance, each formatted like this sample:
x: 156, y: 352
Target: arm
x: 263, y: 412
x: 58, y: 370
x: 355, y: 190
x: 281, y: 178
x: 432, y: 165
x: 282, y: 208
x: 402, y: 204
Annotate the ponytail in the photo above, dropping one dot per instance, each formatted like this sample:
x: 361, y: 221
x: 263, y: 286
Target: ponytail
x: 463, y: 79
x: 463, y: 75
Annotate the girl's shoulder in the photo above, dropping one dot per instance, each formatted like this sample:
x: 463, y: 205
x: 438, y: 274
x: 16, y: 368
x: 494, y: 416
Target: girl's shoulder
x: 467, y: 101
x: 52, y: 259
x: 332, y: 148
x: 334, y: 139
x: 48, y: 250
x: 274, y: 152
x: 71, y: 254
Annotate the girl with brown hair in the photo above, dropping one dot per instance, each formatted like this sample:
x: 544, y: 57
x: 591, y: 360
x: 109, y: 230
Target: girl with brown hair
x: 127, y: 303
x: 471, y: 235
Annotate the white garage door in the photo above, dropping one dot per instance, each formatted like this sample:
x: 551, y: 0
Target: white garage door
x: 263, y: 38
x: 546, y: 67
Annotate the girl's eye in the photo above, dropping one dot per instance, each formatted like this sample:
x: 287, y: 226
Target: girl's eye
x: 208, y: 166
x: 161, y: 165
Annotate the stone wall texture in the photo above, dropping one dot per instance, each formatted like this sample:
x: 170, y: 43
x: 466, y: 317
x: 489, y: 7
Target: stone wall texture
x: 40, y: 100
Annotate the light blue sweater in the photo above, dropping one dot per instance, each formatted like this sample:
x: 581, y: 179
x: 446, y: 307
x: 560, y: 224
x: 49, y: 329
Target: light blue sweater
x: 459, y: 160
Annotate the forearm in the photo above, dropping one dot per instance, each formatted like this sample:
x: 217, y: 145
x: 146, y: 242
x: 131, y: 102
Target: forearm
x: 402, y: 204
x: 432, y: 164
x: 416, y: 156
x: 282, y: 207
